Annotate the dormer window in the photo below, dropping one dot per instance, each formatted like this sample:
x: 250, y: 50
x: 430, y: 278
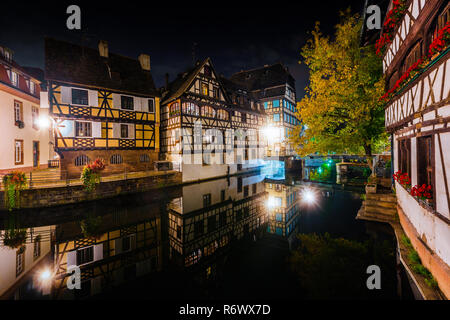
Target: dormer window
x: 31, y: 86
x: 14, y: 78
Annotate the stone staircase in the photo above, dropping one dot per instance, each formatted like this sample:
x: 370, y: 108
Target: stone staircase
x: 379, y: 207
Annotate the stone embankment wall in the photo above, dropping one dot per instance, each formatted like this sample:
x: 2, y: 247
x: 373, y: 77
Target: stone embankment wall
x: 50, y: 197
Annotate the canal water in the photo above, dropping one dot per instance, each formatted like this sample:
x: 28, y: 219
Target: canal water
x: 267, y: 235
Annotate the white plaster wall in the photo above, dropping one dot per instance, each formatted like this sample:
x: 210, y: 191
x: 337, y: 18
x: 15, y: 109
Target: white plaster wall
x: 427, y: 225
x: 8, y: 260
x: 442, y: 205
x: 10, y: 132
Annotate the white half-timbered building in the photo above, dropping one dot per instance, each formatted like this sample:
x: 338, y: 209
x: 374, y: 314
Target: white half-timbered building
x: 418, y: 118
x: 199, y: 96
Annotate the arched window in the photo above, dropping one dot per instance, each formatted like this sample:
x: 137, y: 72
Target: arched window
x: 208, y: 112
x: 116, y: 159
x: 145, y: 158
x: 174, y: 109
x: 82, y: 160
x: 223, y: 115
x: 191, y: 108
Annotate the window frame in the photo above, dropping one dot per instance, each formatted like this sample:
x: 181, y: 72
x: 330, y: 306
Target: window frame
x: 88, y: 126
x: 80, y: 101
x: 123, y: 103
x: 21, y: 143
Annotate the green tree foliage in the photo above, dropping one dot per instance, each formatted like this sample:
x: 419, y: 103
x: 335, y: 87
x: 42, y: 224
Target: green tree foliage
x: 341, y: 110
x: 336, y: 268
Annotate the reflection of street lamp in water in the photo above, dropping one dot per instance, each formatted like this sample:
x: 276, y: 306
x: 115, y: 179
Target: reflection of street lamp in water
x: 308, y: 196
x: 45, y: 278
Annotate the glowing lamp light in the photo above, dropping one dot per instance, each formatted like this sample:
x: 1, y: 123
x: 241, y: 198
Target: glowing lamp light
x: 273, y: 203
x: 45, y: 275
x: 271, y: 132
x: 309, y: 197
x: 320, y: 170
x: 44, y: 122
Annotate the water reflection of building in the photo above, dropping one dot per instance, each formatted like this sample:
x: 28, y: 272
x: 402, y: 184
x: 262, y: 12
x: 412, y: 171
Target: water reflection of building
x: 284, y: 208
x: 110, y: 250
x: 209, y: 216
x: 22, y: 252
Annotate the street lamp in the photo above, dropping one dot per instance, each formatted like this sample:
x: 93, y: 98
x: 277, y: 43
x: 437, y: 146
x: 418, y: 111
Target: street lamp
x: 44, y: 122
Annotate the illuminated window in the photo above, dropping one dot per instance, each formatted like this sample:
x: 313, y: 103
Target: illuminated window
x: 82, y: 160
x: 83, y: 129
x: 276, y: 103
x: 35, y: 117
x: 191, y: 108
x: 18, y: 112
x: 208, y: 112
x: 276, y: 117
x: 205, y: 89
x: 20, y: 261
x: 14, y: 77
x: 18, y: 152
x: 174, y: 109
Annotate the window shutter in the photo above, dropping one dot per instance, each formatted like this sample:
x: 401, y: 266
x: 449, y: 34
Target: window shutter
x: 118, y: 246
x: 66, y: 95
x: 96, y: 130
x: 71, y: 259
x: 93, y: 98
x: 98, y: 252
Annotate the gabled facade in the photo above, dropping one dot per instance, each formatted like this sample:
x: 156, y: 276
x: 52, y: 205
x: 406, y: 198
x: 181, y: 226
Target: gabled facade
x: 210, y: 216
x: 273, y: 87
x: 103, y: 105
x: 417, y: 116
x: 25, y: 144
x: 198, y: 96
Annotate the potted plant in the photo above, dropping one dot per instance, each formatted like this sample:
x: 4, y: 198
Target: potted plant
x: 371, y: 186
x: 15, y: 238
x: 90, y: 176
x: 423, y: 193
x: 13, y: 184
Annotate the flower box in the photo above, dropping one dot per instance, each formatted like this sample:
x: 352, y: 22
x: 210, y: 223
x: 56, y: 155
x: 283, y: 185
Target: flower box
x: 371, y: 188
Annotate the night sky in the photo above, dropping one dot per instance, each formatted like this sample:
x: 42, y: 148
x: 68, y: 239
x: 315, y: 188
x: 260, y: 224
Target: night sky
x: 236, y: 35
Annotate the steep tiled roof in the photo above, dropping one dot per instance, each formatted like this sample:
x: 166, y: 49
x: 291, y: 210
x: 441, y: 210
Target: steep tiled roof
x: 264, y: 78
x: 71, y: 63
x: 177, y: 87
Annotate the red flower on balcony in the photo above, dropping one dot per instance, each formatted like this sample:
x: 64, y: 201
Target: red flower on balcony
x: 422, y: 192
x: 391, y: 23
x: 402, y: 178
x: 441, y: 41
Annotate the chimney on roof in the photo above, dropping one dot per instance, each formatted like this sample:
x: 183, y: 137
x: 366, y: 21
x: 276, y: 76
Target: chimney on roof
x: 167, y: 80
x: 103, y: 48
x: 144, y: 60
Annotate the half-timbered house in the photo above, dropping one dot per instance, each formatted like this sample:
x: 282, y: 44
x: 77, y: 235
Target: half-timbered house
x: 283, y: 207
x: 26, y: 137
x: 209, y: 217
x: 229, y: 125
x: 104, y: 106
x: 273, y: 87
x: 417, y: 116
x: 110, y: 250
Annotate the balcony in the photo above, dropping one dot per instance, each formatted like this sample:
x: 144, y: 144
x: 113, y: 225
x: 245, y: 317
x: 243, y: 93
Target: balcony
x: 420, y: 95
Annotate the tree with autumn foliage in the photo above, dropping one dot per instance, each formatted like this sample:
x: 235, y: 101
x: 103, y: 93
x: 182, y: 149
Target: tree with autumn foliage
x: 342, y: 111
